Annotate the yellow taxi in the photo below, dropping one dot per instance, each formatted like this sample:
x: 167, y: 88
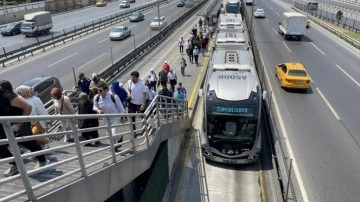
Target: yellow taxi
x: 292, y: 75
x: 100, y: 3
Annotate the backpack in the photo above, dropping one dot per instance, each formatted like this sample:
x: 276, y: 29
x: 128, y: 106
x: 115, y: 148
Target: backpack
x: 163, y: 76
x: 180, y: 95
x: 112, y: 98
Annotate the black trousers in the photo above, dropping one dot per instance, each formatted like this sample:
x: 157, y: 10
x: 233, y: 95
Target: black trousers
x: 181, y: 48
x: 133, y: 108
x: 153, y: 85
x: 32, y: 145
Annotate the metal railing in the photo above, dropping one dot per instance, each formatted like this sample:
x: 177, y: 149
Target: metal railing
x: 80, y: 162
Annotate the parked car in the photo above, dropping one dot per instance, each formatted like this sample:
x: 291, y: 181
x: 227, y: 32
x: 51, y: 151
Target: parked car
x: 292, y: 75
x: 132, y: 1
x: 155, y: 23
x: 43, y: 86
x: 100, y: 3
x: 136, y: 16
x: 120, y: 32
x: 124, y: 4
x: 259, y: 13
x: 12, y: 29
x: 180, y: 3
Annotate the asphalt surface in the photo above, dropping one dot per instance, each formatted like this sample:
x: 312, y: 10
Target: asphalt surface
x: 321, y: 125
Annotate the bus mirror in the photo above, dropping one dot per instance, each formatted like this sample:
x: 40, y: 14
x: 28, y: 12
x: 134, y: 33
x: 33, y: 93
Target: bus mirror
x: 200, y: 92
x: 264, y: 95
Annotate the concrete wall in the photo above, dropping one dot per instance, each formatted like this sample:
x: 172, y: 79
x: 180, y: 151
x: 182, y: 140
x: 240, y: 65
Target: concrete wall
x: 17, y: 16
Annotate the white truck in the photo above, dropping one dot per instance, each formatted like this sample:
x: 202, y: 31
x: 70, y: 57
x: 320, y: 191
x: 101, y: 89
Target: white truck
x: 36, y: 23
x: 293, y: 25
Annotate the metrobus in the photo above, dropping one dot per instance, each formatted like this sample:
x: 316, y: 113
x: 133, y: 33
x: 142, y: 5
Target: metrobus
x: 231, y: 40
x: 233, y: 6
x: 232, y: 100
x: 230, y: 22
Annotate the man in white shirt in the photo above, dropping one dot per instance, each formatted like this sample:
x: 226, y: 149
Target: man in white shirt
x: 107, y: 103
x: 138, y: 94
x: 181, y: 45
x: 172, y: 79
x: 153, y: 79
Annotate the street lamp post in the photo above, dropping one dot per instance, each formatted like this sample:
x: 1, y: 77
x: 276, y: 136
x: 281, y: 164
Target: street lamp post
x: 158, y: 10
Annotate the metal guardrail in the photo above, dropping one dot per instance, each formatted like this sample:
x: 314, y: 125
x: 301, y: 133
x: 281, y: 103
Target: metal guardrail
x: 83, y: 162
x: 71, y: 33
x: 120, y: 66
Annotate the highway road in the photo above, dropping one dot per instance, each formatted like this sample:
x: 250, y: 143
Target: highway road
x: 91, y: 53
x: 67, y: 21
x: 321, y: 125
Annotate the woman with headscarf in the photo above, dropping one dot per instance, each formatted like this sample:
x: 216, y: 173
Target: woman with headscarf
x: 119, y: 91
x: 96, y: 81
x: 63, y: 106
x: 85, y: 106
x: 38, y: 127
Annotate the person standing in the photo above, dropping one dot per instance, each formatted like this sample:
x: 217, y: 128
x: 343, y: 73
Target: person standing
x: 196, y: 55
x: 108, y: 103
x: 181, y: 45
x: 190, y: 52
x: 183, y: 66
x: 182, y: 89
x: 63, y: 106
x: 165, y: 102
x: 83, y: 83
x: 85, y: 106
x: 153, y: 78
x: 38, y: 127
x: 172, y: 79
x: 138, y: 94
x: 179, y: 96
x: 96, y: 82
x: 163, y: 79
x: 13, y: 105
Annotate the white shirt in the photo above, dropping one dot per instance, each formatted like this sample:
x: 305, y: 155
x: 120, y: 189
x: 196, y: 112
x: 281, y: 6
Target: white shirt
x: 151, y: 94
x: 196, y: 51
x: 107, y: 105
x: 137, y: 92
x: 171, y: 75
x: 181, y: 42
x: 37, y: 108
x: 152, y: 76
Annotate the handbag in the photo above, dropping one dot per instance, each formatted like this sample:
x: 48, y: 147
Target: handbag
x: 37, y: 129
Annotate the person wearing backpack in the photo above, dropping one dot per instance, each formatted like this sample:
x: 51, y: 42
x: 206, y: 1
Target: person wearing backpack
x: 108, y: 103
x: 163, y: 79
x: 180, y: 98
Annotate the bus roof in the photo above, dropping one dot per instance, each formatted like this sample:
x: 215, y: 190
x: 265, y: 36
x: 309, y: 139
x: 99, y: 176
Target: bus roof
x: 240, y: 60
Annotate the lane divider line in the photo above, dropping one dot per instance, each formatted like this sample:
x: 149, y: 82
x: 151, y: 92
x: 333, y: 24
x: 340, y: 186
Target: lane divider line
x: 63, y: 59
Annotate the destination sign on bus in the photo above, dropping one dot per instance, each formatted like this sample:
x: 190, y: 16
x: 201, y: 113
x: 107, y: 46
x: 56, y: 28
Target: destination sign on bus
x: 233, y: 110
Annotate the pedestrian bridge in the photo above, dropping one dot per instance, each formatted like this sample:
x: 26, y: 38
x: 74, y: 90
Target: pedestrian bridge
x: 81, y: 173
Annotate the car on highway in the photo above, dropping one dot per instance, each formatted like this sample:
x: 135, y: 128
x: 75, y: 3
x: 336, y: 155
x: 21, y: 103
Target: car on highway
x: 43, y: 85
x: 12, y: 29
x: 259, y: 13
x: 124, y: 4
x: 180, y: 3
x: 132, y: 1
x: 158, y: 22
x: 292, y: 75
x: 136, y: 16
x: 119, y: 33
x: 100, y: 3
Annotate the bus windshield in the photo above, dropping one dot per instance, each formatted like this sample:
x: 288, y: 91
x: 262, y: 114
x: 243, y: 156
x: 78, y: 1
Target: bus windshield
x: 232, y: 127
x: 232, y: 7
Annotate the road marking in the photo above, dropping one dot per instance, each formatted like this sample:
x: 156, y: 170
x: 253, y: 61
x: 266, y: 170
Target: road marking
x: 63, y: 59
x: 317, y: 48
x: 275, y: 31
x: 328, y: 104
x: 348, y: 75
x: 282, y: 128
x: 287, y: 47
x: 91, y: 61
x: 103, y: 40
x: 267, y: 21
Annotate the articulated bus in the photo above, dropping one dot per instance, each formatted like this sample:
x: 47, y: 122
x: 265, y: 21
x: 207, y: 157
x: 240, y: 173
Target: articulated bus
x: 231, y: 40
x: 232, y: 99
x: 233, y: 6
x: 230, y: 22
